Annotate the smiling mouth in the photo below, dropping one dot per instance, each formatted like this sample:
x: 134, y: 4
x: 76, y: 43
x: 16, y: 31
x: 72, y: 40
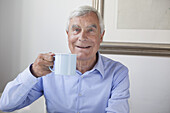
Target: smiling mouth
x: 86, y: 47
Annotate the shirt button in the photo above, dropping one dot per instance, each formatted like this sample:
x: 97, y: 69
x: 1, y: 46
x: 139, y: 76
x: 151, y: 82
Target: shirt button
x: 80, y: 94
x: 81, y: 76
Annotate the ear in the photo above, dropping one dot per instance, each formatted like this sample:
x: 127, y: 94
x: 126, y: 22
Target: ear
x: 102, y: 36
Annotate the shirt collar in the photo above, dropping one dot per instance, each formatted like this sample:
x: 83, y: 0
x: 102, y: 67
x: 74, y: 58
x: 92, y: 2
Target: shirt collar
x: 99, y: 65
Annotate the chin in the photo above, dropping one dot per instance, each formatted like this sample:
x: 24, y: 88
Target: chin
x: 82, y: 56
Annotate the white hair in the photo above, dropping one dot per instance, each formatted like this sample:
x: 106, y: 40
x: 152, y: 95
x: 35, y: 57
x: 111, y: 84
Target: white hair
x: 82, y: 10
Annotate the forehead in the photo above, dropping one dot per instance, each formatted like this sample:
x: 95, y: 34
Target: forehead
x: 85, y: 20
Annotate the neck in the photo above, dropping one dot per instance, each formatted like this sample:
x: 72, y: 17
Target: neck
x: 86, y: 65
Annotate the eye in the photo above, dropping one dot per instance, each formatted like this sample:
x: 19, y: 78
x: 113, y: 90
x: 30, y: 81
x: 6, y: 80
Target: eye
x: 77, y: 30
x: 90, y: 30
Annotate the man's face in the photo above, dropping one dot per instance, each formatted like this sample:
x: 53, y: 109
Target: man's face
x: 84, y: 36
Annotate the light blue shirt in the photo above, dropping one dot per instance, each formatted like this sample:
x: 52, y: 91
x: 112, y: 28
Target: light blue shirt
x: 104, y: 89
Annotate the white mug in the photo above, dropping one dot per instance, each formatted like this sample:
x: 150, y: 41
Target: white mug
x: 64, y: 64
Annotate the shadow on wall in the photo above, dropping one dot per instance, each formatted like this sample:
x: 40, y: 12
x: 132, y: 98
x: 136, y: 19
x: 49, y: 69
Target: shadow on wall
x: 10, y: 37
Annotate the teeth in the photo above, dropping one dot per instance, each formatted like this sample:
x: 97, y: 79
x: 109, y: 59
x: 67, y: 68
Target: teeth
x: 83, y: 47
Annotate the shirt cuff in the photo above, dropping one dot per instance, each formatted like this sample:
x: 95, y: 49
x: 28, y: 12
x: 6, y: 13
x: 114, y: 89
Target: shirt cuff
x: 27, y: 78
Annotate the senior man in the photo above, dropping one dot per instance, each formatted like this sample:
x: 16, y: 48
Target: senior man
x: 100, y: 85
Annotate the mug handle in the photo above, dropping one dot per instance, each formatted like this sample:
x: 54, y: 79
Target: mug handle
x: 51, y: 68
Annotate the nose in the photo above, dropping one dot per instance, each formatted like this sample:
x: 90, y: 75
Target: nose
x: 82, y: 36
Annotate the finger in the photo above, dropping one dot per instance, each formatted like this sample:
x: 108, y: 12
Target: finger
x: 44, y: 72
x: 51, y: 53
x: 47, y: 57
x: 43, y: 62
x: 46, y: 69
x: 48, y: 63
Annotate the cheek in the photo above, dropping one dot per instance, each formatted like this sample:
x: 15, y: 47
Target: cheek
x: 97, y: 42
x: 71, y: 39
x: 71, y: 42
x: 96, y: 45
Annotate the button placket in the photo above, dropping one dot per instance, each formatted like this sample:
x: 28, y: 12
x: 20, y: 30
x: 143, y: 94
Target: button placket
x: 79, y: 92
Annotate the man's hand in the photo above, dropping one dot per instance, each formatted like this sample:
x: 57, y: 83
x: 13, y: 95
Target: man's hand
x: 41, y: 65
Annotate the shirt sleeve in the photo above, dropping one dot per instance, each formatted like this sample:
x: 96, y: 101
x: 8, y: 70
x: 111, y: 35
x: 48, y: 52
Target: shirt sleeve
x: 118, y: 102
x: 20, y: 92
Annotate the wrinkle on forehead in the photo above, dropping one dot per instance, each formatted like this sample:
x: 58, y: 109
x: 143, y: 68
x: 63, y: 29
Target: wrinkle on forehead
x: 89, y: 20
x: 87, y: 16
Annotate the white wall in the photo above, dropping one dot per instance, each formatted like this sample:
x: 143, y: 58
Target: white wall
x: 149, y: 83
x: 10, y: 40
x: 28, y: 27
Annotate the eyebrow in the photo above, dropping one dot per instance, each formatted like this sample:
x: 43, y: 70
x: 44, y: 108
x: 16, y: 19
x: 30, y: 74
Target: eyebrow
x: 90, y: 26
x: 75, y: 26
x: 93, y: 25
